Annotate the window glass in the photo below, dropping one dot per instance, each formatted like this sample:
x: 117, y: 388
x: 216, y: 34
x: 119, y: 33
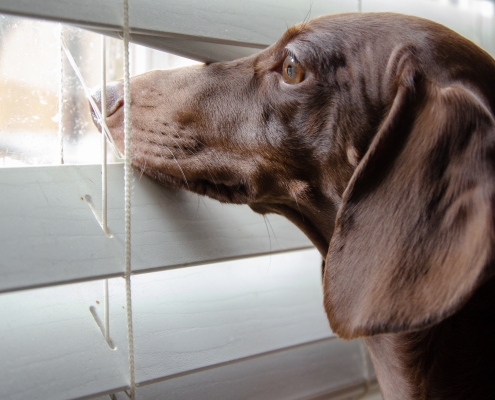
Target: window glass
x: 44, y: 113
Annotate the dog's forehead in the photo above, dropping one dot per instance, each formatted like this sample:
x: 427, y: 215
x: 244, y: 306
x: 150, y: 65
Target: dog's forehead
x: 330, y: 33
x: 356, y: 27
x: 361, y: 37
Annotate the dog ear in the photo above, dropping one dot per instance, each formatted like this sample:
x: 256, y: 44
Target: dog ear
x: 414, y: 231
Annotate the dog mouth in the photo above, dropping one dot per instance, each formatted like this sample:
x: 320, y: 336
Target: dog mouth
x: 225, y: 192
x: 235, y: 194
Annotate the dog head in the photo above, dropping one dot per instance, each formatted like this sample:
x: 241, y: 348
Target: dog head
x: 373, y: 133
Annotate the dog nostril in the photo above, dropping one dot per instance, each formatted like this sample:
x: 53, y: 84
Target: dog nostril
x: 114, y: 97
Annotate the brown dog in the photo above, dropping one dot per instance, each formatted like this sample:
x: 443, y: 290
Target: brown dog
x: 375, y: 135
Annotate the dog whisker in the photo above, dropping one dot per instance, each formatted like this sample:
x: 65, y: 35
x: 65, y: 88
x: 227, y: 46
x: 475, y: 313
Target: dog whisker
x: 142, y: 169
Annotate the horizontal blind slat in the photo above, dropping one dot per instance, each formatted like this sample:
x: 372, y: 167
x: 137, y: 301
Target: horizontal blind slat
x: 182, y: 27
x: 187, y: 321
x: 216, y: 313
x: 246, y: 24
x: 50, y: 236
x: 296, y: 373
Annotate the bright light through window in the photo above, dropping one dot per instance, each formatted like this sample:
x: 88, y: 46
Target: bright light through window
x: 42, y: 102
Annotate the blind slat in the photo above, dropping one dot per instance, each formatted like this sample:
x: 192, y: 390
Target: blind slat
x: 158, y: 23
x: 51, y: 347
x: 182, y: 27
x: 212, y: 314
x: 186, y: 320
x: 298, y: 373
x: 50, y: 236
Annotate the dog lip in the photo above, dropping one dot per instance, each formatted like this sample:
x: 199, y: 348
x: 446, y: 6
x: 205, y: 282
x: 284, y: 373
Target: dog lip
x: 227, y: 193
x: 235, y: 193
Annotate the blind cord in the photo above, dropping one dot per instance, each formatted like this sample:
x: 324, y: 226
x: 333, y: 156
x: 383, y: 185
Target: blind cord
x: 127, y: 179
x: 104, y: 174
x: 103, y: 137
x: 61, y: 95
x: 127, y: 193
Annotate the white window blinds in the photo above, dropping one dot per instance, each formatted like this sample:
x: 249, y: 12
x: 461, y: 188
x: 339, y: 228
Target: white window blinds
x: 203, y: 30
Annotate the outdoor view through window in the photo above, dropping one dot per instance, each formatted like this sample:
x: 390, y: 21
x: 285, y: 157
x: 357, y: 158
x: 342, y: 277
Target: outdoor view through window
x: 44, y: 112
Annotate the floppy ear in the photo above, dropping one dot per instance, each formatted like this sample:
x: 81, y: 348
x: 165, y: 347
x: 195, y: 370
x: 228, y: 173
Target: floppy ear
x: 414, y: 232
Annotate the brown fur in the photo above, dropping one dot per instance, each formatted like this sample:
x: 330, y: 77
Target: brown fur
x: 384, y: 156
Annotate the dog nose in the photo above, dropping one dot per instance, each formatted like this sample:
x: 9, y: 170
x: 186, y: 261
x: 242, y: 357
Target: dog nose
x: 114, y: 98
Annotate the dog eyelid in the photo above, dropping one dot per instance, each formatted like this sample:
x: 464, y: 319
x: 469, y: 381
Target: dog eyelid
x: 289, y: 52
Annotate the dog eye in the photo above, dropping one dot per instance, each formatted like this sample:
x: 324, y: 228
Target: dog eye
x: 292, y: 71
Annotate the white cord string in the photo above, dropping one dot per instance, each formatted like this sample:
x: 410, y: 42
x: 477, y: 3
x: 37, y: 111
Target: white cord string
x: 104, y: 173
x: 103, y: 137
x: 101, y: 115
x: 360, y: 5
x: 127, y: 174
x: 61, y: 96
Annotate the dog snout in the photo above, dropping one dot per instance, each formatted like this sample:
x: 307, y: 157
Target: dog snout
x: 114, y: 93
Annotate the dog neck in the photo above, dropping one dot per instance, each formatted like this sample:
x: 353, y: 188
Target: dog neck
x: 451, y: 360
x: 316, y: 220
